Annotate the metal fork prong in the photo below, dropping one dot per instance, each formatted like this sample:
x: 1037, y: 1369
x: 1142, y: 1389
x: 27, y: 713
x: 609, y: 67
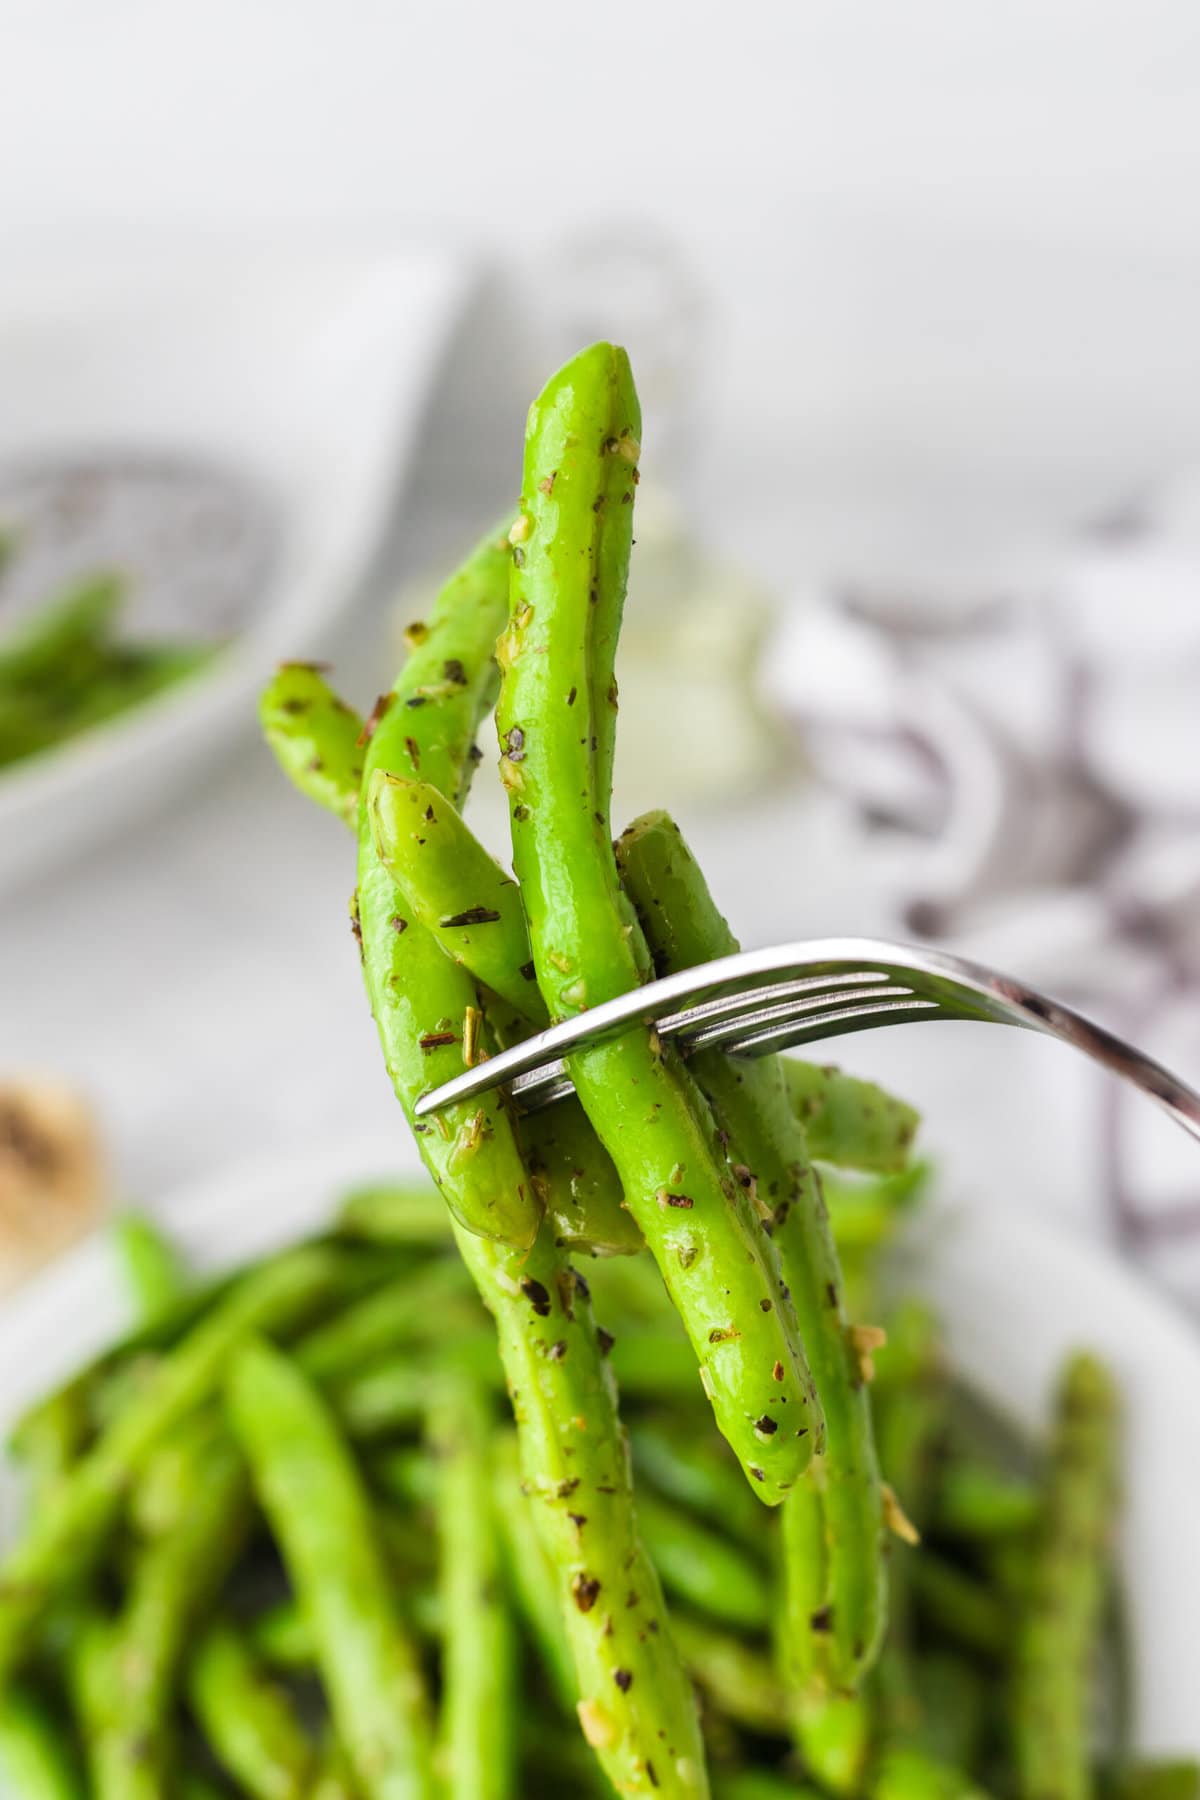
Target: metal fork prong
x: 804, y: 1028
x: 689, y: 1018
x: 939, y: 985
x: 724, y: 1032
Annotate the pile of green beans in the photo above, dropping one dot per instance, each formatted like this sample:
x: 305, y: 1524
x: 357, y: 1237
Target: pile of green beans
x: 294, y: 1596
x: 65, y: 669
x: 586, y: 1466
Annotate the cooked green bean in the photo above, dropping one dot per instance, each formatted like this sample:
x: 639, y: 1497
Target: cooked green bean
x: 853, y: 1124
x: 422, y: 1001
x: 36, y: 1762
x: 735, y: 1675
x: 281, y: 1636
x: 431, y: 1301
x: 704, y: 1568
x: 249, y: 1721
x: 316, y: 737
x: 1057, y: 1639
x: 395, y: 1214
x: 834, y: 1732
x: 152, y: 1266
x: 437, y: 862
x: 64, y: 1536
x: 571, y: 554
x: 317, y: 1505
x: 907, y: 1774
x: 834, y: 1606
x: 1156, y: 1781
x: 693, y: 1471
x: 530, y: 1573
x: 173, y: 1581
x: 983, y: 1504
x: 476, y: 1739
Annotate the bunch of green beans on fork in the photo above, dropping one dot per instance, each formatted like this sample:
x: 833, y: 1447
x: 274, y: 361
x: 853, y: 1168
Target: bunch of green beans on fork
x: 586, y: 1464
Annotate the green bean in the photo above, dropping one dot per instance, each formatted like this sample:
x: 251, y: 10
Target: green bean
x: 62, y: 1539
x: 1057, y: 1638
x: 249, y: 1721
x: 335, y: 1779
x: 577, y: 1185
x: 530, y: 1573
x: 412, y: 1309
x: 173, y: 1582
x: 690, y: 1469
x: 961, y: 1607
x: 866, y: 1214
x: 851, y: 1123
x: 762, y: 1784
x: 907, y: 1774
x: 737, y: 1678
x: 834, y: 1607
x: 315, y: 1501
x: 406, y: 1472
x: 476, y: 1742
x: 400, y: 1214
x: 834, y: 1734
x: 194, y: 1786
x: 572, y: 1177
x: 316, y: 737
x: 704, y: 1568
x: 166, y: 1487
x: 48, y: 1438
x: 382, y: 1400
x: 422, y: 1001
x: 571, y: 553
x: 637, y: 1707
x: 151, y: 1265
x: 36, y: 1763
x: 984, y: 1504
x: 911, y: 1401
x: 455, y: 891
x: 42, y: 647
x: 952, y: 1701
x: 1156, y: 1781
x: 437, y: 861
x: 281, y: 1635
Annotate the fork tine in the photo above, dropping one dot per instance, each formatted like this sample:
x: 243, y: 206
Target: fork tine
x: 695, y: 1016
x: 802, y: 1028
x: 736, y: 1026
x: 755, y: 1001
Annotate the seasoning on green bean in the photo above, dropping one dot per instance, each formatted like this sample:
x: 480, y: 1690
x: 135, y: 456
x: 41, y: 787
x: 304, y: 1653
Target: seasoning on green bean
x: 834, y: 1606
x: 316, y: 737
x: 570, y: 559
x: 422, y: 1001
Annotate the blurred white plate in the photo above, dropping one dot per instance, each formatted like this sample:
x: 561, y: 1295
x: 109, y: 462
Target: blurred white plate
x: 1015, y: 1296
x: 305, y: 373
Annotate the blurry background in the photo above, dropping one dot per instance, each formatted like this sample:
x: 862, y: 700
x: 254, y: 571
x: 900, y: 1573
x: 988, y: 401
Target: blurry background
x: 911, y: 294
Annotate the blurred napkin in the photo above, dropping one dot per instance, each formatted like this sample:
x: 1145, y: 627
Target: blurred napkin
x: 1021, y: 759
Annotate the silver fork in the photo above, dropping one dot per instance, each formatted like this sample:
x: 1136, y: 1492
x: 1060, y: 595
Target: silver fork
x: 758, y: 1001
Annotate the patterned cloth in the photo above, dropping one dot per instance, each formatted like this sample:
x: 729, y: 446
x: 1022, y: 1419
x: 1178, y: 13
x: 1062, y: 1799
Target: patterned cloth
x: 1024, y: 771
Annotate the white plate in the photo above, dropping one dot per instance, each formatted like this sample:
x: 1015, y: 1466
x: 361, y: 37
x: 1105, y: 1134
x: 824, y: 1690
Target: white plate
x: 1015, y: 1296
x: 307, y: 373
